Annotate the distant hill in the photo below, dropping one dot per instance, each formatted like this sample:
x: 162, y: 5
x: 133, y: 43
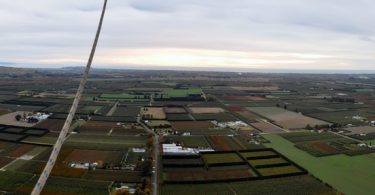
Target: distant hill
x: 4, y: 70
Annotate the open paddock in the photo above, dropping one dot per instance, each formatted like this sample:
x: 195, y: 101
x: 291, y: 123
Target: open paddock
x: 114, y: 175
x: 286, y: 118
x: 20, y: 150
x: 245, y: 98
x: 107, y: 142
x: 15, y: 130
x: 54, y: 125
x: 221, y: 158
x: 255, y: 88
x: 132, y: 111
x: 267, y: 161
x: 60, y: 186
x: 282, y: 170
x: 204, y: 176
x: 342, y: 117
x: 220, y: 117
x: 5, y: 160
x: 223, y: 143
x: 267, y: 127
x: 10, y: 181
x: 11, y: 137
x: 179, y: 117
x: 191, y: 125
x: 90, y: 156
x: 175, y: 110
x: 10, y: 119
x: 303, y: 184
x: 153, y: 113
x: 205, y: 110
x: 258, y: 154
x: 360, y: 130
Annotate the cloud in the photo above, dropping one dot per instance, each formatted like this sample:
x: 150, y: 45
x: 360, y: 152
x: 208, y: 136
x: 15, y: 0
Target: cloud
x: 240, y: 33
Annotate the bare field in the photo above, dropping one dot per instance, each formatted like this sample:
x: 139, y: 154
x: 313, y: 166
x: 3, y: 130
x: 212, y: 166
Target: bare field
x: 51, y: 124
x: 174, y: 110
x: 9, y: 119
x: 83, y: 156
x: 267, y: 128
x: 154, y: 113
x: 286, y: 118
x: 191, y: 125
x: 206, y: 110
x: 362, y: 129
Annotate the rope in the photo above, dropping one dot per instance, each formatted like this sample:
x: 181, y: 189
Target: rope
x: 57, y: 147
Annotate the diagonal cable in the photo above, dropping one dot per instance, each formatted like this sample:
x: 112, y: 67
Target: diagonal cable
x: 57, y: 147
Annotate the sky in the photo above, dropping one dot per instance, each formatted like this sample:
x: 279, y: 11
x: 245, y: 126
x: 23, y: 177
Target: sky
x: 191, y: 34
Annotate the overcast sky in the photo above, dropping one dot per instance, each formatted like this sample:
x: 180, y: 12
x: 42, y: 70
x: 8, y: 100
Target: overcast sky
x: 262, y: 34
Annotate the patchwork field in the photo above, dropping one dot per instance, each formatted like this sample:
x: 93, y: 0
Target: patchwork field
x: 337, y: 170
x: 323, y: 144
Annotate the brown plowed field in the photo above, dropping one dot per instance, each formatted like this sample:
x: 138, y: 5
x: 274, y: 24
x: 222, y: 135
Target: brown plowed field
x: 86, y: 156
x: 51, y: 124
x: 21, y: 150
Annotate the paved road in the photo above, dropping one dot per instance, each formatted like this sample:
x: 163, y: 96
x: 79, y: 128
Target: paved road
x: 156, y: 149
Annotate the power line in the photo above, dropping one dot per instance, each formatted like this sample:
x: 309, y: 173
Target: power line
x: 57, y: 147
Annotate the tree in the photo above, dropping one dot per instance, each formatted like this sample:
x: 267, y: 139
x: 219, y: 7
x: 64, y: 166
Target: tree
x: 308, y: 127
x: 18, y: 117
x: 147, y: 168
x: 285, y: 107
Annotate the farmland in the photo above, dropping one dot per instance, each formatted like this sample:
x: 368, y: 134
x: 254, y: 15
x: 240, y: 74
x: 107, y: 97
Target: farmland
x: 336, y: 170
x: 323, y: 144
x: 285, y: 118
x: 227, y: 133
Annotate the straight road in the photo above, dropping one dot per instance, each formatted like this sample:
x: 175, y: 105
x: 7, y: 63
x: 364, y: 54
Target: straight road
x: 156, y: 150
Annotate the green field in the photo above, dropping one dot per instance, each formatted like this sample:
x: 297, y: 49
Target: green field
x: 120, y: 96
x: 105, y: 142
x: 56, y: 185
x: 342, y: 117
x: 278, y: 170
x: 267, y: 161
x: 350, y: 175
x: 179, y: 93
x: 257, y: 154
x: 221, y: 158
x: 9, y: 180
x: 306, y: 185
